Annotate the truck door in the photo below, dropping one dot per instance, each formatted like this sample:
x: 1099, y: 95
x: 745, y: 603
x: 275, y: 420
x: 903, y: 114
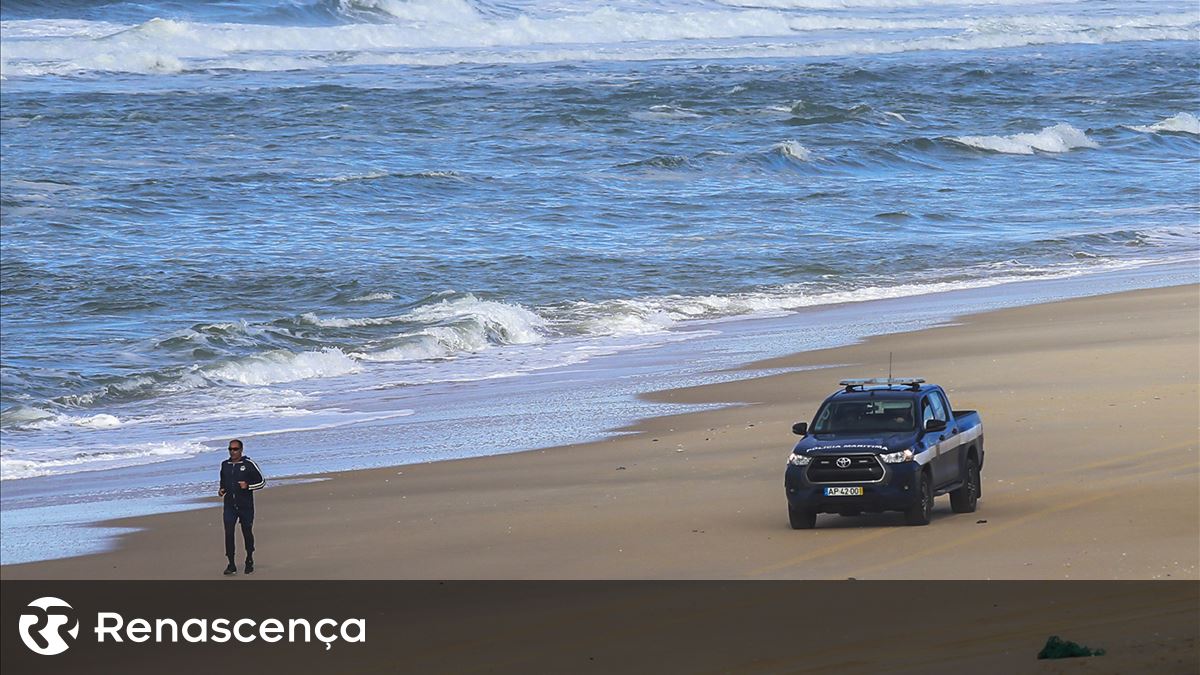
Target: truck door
x: 945, y: 464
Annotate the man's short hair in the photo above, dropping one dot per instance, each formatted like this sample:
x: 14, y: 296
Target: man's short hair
x: 240, y: 444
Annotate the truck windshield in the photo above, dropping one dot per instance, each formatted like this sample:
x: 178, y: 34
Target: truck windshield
x: 874, y: 416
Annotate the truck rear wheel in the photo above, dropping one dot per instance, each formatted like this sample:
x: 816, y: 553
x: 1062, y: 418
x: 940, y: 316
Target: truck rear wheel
x: 922, y: 512
x: 964, y: 499
x: 801, y: 519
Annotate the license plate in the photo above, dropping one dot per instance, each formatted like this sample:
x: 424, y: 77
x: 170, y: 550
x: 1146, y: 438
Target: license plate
x: 843, y: 492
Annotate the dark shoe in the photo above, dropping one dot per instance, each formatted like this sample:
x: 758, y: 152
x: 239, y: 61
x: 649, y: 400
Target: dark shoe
x: 230, y: 569
x: 249, y: 566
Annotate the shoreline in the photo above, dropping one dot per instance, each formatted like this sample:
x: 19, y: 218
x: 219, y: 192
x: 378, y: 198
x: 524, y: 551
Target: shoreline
x: 607, y: 392
x: 580, y: 510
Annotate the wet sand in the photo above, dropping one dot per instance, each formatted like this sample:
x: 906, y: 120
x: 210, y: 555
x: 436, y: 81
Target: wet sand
x: 1091, y: 415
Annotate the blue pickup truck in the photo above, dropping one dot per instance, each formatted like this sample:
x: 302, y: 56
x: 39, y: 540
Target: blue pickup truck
x: 889, y: 444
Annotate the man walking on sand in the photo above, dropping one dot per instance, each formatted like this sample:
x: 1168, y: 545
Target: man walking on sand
x: 240, y: 477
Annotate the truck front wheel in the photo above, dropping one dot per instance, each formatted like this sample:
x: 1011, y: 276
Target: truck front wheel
x: 921, y: 512
x: 964, y: 499
x: 801, y: 519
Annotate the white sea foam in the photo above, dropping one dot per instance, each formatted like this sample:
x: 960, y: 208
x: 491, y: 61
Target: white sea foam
x: 100, y: 421
x: 1182, y: 122
x: 373, y: 297
x: 345, y: 419
x: 437, y: 11
x: 314, y: 320
x: 450, y: 327
x: 1058, y: 138
x: 657, y: 314
x: 284, y: 366
x: 629, y: 320
x: 435, y: 342
x: 499, y: 322
x: 14, y: 467
x: 483, y: 320
x: 441, y: 33
x: 793, y: 150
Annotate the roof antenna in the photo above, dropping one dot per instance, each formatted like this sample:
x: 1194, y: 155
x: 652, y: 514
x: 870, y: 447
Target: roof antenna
x: 889, y: 367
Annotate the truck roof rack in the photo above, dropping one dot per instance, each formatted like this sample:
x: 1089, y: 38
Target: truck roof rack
x: 859, y: 384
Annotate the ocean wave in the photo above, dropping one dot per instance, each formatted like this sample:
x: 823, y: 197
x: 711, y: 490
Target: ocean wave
x: 100, y: 421
x: 1058, y: 138
x: 438, y: 342
x: 373, y: 297
x: 793, y: 150
x: 13, y: 468
x: 446, y: 327
x: 283, y: 366
x: 449, y: 327
x: 500, y: 322
x: 658, y: 162
x: 665, y: 112
x: 805, y: 113
x: 120, y: 389
x: 1180, y: 123
x: 312, y: 319
x: 23, y: 415
x: 431, y: 11
x: 661, y: 313
x: 453, y: 325
x: 374, y: 175
x: 462, y: 34
x: 214, y: 335
x: 41, y: 419
x: 628, y: 318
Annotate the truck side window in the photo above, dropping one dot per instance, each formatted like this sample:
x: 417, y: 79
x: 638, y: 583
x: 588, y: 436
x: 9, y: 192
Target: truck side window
x: 941, y: 398
x: 939, y: 410
x: 926, y: 411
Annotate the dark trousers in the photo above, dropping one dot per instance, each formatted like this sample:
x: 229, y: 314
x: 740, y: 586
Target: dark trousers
x: 233, y: 514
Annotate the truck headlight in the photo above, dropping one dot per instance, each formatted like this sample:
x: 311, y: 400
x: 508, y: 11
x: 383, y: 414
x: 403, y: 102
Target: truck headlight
x: 897, y: 457
x: 799, y: 460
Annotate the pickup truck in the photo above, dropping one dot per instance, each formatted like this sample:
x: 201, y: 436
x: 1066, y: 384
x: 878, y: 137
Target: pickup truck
x: 888, y: 444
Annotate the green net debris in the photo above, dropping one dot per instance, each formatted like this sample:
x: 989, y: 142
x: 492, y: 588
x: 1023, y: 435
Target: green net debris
x: 1057, y: 648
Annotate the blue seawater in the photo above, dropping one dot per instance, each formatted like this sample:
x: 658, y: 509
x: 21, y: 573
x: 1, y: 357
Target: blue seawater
x: 229, y: 218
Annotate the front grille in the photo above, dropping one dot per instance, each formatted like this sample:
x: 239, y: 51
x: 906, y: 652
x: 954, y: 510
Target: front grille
x: 862, y: 469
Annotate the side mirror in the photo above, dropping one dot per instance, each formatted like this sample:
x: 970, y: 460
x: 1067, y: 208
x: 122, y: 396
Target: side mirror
x: 935, y: 425
x: 800, y: 428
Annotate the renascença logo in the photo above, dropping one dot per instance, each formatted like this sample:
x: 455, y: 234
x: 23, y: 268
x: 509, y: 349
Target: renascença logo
x: 47, y: 621
x: 45, y: 625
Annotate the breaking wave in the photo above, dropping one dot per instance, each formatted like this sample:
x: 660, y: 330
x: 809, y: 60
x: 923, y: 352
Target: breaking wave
x: 1058, y: 138
x: 282, y: 366
x: 793, y: 150
x: 12, y: 468
x: 1180, y: 123
x: 415, y: 32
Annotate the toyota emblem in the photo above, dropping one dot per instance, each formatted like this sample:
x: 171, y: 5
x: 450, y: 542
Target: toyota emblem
x: 843, y: 462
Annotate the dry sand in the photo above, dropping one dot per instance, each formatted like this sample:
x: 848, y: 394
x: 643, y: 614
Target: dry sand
x: 1091, y: 415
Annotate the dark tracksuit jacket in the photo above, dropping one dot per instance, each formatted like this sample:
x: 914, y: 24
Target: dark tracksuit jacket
x: 239, y: 503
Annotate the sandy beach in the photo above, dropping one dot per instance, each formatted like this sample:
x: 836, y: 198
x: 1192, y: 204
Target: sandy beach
x: 1091, y: 417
